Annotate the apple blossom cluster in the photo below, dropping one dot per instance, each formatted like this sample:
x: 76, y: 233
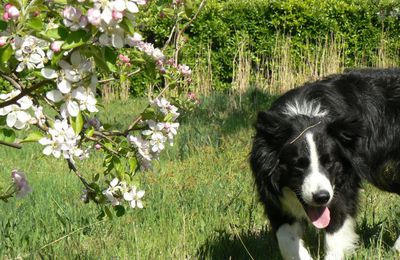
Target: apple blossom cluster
x: 10, y: 12
x: 63, y: 141
x: 76, y: 85
x: 107, y: 16
x: 119, y: 191
x: 151, y: 141
x: 29, y: 52
x: 23, y: 113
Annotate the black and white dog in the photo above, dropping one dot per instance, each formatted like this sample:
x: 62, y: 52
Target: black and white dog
x: 313, y: 148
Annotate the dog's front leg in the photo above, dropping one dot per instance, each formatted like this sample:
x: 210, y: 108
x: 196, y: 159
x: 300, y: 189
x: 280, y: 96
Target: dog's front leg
x: 341, y: 241
x: 397, y: 245
x: 290, y: 243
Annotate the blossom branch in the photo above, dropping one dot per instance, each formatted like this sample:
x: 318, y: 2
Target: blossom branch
x: 23, y: 93
x: 13, y: 145
x: 72, y: 167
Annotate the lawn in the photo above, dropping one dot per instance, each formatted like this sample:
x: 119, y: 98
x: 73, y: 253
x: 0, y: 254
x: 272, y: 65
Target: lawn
x: 200, y: 200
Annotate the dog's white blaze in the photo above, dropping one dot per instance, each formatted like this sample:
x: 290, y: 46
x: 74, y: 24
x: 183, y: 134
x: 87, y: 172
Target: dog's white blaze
x: 342, y: 241
x: 304, y: 107
x: 397, y: 245
x: 290, y: 243
x: 315, y: 180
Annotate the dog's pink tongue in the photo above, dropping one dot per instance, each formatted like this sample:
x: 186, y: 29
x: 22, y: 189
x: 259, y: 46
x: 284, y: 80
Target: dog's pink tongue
x: 320, y: 217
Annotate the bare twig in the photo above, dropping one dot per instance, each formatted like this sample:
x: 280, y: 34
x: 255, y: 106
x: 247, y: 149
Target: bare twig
x: 184, y: 27
x: 112, y: 79
x: 13, y: 145
x: 12, y: 81
x: 72, y: 167
x: 102, y: 145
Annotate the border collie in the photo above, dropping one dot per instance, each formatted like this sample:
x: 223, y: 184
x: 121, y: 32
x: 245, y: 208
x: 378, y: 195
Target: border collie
x: 314, y: 147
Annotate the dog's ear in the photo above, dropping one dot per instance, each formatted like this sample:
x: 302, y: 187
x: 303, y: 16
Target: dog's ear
x: 347, y: 130
x: 275, y: 128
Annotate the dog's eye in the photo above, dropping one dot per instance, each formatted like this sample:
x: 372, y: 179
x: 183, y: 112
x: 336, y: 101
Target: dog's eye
x: 302, y: 163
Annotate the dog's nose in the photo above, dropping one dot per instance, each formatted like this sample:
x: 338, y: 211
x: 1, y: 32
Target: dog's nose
x: 321, y: 197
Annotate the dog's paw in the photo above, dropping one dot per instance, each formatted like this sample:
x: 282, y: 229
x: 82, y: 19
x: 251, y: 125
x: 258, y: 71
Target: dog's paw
x: 396, y: 246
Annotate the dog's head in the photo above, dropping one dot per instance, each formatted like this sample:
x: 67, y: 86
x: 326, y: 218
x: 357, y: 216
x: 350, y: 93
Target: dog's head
x: 310, y: 157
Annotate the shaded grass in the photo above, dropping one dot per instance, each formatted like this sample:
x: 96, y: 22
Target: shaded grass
x: 200, y: 201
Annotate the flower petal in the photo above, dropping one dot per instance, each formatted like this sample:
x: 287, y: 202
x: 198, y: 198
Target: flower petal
x: 49, y: 73
x: 64, y: 86
x: 72, y: 108
x: 54, y: 95
x: 11, y: 119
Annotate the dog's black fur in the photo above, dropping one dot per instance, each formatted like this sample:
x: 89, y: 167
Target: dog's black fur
x: 358, y: 138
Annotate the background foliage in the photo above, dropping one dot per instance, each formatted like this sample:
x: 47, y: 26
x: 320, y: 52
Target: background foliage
x: 360, y: 24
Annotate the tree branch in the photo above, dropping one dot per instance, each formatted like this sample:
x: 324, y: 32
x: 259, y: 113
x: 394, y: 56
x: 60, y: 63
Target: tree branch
x: 24, y: 92
x: 72, y: 167
x: 13, y: 145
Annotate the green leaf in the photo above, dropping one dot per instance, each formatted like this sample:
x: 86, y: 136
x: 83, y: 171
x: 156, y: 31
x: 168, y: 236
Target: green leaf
x: 90, y: 131
x: 127, y: 25
x: 7, y: 135
x: 3, y: 26
x: 189, y: 6
x: 132, y: 164
x: 96, y: 53
x: 33, y: 137
x: 58, y: 33
x: 77, y: 123
x: 120, y: 210
x: 111, y: 59
x: 5, y: 53
x: 148, y: 113
x: 35, y: 24
x: 76, y: 39
x: 56, y: 58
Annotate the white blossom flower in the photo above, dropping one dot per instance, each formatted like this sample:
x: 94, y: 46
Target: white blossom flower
x: 29, y: 52
x: 17, y: 116
x: 171, y: 130
x: 94, y: 16
x: 145, y: 156
x: 157, y: 142
x: 115, y: 191
x: 62, y: 141
x: 166, y: 107
x: 74, y: 19
x: 86, y: 98
x: 134, y: 197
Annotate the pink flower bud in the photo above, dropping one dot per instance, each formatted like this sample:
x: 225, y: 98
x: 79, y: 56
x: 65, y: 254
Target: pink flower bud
x: 3, y: 41
x: 6, y: 16
x: 56, y: 46
x: 13, y: 12
x: 124, y: 58
x: 94, y: 16
x: 7, y: 7
x: 117, y: 16
x: 97, y: 147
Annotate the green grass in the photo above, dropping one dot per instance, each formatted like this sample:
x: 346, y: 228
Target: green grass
x: 200, y: 201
